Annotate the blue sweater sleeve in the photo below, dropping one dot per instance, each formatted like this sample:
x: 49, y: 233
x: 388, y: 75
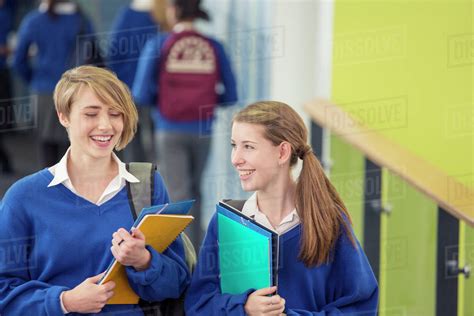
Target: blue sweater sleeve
x: 21, y: 63
x: 19, y: 294
x: 229, y: 95
x: 145, y: 85
x: 168, y: 275
x: 204, y: 296
x: 355, y: 283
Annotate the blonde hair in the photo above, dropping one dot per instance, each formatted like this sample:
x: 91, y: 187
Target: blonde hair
x: 321, y: 210
x: 158, y: 12
x: 108, y: 88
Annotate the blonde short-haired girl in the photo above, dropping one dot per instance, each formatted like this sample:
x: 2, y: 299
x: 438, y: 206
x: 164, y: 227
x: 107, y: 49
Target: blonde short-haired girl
x: 66, y: 223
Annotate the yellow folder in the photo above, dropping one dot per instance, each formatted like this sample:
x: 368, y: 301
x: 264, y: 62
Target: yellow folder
x: 160, y: 231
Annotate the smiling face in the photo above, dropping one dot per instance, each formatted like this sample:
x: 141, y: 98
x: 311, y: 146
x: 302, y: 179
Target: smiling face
x: 94, y: 128
x: 257, y: 160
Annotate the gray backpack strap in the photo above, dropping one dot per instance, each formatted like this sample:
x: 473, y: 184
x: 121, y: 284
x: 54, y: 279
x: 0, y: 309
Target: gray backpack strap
x: 189, y: 252
x: 140, y: 196
x: 237, y: 204
x: 140, y: 193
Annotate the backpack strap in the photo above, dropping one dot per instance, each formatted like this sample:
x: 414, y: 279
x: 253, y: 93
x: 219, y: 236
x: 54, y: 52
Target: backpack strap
x: 237, y: 204
x: 140, y: 193
x: 189, y: 252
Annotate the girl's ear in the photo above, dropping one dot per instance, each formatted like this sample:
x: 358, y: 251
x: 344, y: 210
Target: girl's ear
x: 63, y: 119
x: 285, y: 152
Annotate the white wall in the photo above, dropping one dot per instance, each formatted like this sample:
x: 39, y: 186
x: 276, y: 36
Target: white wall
x: 302, y: 72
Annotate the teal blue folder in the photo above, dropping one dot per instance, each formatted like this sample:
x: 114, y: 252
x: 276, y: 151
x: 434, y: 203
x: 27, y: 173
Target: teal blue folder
x: 248, y: 252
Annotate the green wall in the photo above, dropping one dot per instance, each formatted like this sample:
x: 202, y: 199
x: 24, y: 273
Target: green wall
x: 405, y: 69
x: 407, y: 250
x: 347, y: 176
x: 466, y: 256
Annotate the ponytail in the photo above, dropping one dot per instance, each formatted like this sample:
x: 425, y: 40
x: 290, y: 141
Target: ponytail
x: 321, y: 212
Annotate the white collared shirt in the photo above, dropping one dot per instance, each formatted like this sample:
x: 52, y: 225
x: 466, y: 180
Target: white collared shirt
x: 59, y: 8
x: 250, y: 209
x: 141, y: 5
x: 183, y: 26
x: 61, y: 176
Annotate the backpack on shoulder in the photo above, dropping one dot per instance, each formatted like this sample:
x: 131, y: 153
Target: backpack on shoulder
x: 188, y: 76
x: 140, y: 195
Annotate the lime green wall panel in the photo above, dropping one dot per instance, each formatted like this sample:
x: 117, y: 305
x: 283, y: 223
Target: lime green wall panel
x: 407, y: 251
x: 405, y: 68
x: 466, y: 257
x: 347, y: 175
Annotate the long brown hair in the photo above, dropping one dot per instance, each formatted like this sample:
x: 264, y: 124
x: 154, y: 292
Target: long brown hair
x: 158, y: 12
x: 318, y: 204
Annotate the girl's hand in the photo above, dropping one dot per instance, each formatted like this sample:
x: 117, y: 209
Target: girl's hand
x: 259, y: 303
x: 130, y: 250
x: 88, y: 297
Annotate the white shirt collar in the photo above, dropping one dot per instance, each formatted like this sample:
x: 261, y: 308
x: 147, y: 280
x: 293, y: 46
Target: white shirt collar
x: 61, y: 174
x: 250, y: 209
x: 141, y: 5
x: 183, y: 26
x: 60, y: 8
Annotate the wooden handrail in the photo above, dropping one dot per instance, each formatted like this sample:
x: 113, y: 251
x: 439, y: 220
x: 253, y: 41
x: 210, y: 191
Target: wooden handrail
x: 450, y: 194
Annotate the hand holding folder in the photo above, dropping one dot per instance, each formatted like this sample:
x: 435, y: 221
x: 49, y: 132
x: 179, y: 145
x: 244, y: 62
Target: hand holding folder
x: 161, y: 225
x: 248, y: 252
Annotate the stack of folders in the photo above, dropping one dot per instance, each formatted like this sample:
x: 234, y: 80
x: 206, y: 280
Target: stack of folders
x: 248, y: 252
x: 161, y: 225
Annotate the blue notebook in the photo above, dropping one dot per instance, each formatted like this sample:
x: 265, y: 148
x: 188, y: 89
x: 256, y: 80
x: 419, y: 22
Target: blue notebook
x: 177, y: 208
x: 248, y: 252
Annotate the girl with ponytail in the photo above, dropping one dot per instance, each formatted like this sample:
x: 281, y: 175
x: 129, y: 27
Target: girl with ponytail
x: 322, y: 267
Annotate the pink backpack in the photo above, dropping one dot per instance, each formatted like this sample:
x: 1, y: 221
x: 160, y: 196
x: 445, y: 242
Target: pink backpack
x: 188, y: 75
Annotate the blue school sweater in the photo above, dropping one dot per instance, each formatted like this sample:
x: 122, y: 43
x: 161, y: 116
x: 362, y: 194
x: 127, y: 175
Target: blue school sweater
x: 51, y: 240
x: 130, y: 32
x: 346, y: 286
x: 145, y: 87
x: 55, y: 40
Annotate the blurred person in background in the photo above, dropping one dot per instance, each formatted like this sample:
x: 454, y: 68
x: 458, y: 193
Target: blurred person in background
x: 186, y: 75
x: 133, y: 26
x: 6, y: 111
x: 46, y: 47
